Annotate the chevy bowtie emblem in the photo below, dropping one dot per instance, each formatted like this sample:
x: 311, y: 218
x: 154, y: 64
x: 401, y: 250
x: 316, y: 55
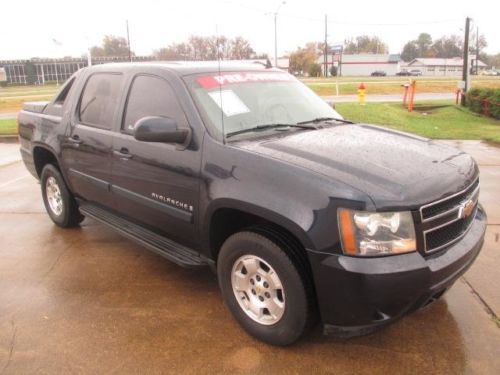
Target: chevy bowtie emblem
x: 466, y: 209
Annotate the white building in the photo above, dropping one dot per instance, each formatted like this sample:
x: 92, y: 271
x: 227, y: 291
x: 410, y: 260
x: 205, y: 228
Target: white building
x: 439, y: 66
x: 363, y: 64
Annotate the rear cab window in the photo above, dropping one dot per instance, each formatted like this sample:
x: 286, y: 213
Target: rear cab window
x: 55, y: 108
x: 99, y: 100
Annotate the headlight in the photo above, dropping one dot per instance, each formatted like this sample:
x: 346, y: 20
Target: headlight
x: 376, y: 233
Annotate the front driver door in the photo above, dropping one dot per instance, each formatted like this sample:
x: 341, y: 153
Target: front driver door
x: 155, y: 184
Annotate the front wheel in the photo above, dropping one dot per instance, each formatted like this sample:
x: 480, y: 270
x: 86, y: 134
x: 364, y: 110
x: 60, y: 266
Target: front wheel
x: 264, y: 288
x: 58, y: 200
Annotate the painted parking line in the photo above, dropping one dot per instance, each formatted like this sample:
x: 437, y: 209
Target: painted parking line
x: 12, y: 181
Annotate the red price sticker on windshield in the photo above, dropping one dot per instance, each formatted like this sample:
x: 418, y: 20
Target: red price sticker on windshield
x: 212, y: 81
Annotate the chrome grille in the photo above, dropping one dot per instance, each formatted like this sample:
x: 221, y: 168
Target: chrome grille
x: 446, y: 205
x: 450, y: 218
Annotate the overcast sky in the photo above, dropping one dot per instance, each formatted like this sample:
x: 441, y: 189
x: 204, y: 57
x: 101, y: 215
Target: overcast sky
x: 28, y: 27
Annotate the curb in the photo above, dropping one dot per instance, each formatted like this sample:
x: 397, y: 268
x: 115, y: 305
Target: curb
x: 9, y: 139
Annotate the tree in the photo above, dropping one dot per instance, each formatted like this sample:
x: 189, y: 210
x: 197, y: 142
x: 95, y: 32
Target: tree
x: 304, y: 57
x: 420, y: 47
x: 410, y: 51
x: 447, y: 47
x: 30, y: 72
x: 240, y: 49
x: 493, y: 60
x: 207, y: 48
x: 176, y: 51
x: 365, y: 44
x: 423, y: 44
x: 112, y: 46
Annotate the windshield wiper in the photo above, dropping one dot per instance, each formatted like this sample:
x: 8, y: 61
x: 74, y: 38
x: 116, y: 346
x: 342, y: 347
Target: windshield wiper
x: 324, y: 119
x: 269, y: 126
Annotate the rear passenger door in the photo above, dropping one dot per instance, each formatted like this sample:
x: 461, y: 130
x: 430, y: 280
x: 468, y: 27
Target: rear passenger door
x: 88, y: 145
x: 155, y: 184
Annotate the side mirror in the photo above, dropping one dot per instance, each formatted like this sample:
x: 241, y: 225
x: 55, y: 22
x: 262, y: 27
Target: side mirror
x: 159, y: 129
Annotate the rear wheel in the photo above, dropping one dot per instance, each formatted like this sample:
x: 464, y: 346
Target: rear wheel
x: 59, y: 202
x: 264, y: 288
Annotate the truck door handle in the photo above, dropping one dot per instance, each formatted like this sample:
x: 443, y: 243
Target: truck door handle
x: 122, y: 153
x: 75, y: 139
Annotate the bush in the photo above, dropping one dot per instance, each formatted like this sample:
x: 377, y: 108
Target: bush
x: 476, y: 99
x: 314, y: 70
x: 333, y: 71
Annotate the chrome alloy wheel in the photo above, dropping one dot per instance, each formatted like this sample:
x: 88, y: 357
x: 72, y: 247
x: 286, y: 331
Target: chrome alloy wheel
x: 53, y: 193
x: 258, y: 289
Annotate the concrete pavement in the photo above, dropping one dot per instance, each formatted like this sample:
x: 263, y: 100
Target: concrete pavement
x: 8, y: 115
x: 89, y: 301
x: 9, y: 153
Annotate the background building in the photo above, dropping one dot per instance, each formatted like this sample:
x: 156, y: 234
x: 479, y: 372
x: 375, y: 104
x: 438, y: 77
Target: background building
x: 363, y: 64
x: 39, y: 71
x: 441, y: 67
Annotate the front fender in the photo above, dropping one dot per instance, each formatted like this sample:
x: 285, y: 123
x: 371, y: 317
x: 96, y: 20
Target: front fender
x: 256, y: 210
x: 299, y: 200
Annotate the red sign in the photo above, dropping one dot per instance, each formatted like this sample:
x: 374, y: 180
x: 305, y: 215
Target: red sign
x: 212, y: 81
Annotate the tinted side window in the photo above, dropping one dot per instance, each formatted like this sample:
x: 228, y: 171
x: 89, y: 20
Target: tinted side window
x: 99, y: 100
x: 151, y: 96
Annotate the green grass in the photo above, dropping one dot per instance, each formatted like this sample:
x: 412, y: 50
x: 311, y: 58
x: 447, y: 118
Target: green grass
x: 444, y: 121
x: 8, y: 127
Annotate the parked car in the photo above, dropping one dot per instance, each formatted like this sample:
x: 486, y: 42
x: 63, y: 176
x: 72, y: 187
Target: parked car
x: 300, y: 213
x: 415, y: 72
x: 403, y: 73
x: 489, y: 72
x: 378, y: 73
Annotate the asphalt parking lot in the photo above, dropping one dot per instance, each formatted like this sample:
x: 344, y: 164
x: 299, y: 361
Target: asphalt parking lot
x: 90, y: 301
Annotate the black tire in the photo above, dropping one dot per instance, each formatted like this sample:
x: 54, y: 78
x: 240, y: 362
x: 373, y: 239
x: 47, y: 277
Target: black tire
x: 298, y: 308
x: 69, y: 216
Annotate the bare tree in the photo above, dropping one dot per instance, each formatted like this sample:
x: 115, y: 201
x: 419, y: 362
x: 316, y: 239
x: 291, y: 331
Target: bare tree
x: 112, y: 46
x: 365, y: 44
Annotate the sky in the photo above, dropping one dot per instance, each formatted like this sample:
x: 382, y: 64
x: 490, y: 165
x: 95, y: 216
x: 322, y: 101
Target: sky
x: 55, y: 28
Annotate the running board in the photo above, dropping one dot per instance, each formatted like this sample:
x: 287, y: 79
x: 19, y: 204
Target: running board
x: 169, y: 249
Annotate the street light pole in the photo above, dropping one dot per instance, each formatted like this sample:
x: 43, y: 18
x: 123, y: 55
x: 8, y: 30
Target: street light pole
x: 465, y: 68
x: 276, y: 33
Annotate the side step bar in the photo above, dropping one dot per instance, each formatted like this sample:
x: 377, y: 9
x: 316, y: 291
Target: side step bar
x: 169, y: 249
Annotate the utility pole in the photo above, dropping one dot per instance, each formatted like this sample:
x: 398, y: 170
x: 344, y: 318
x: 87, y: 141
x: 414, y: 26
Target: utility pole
x: 276, y: 33
x: 477, y: 50
x: 128, y: 44
x: 275, y: 40
x: 465, y: 67
x: 339, y: 73
x: 325, y: 54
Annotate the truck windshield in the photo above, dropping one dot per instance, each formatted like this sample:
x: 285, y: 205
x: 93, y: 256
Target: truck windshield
x: 245, y: 100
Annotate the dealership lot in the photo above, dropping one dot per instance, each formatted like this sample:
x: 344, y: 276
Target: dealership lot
x: 89, y: 301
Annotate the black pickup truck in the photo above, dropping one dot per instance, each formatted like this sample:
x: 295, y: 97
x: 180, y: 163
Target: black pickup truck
x: 302, y: 214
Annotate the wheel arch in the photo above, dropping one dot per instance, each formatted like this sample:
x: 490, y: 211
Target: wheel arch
x: 43, y: 155
x: 228, y: 216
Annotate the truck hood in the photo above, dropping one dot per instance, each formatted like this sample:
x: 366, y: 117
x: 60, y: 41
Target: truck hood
x: 395, y: 169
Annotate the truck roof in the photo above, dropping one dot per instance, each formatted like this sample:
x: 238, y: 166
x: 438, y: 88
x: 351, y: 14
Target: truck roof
x: 184, y: 68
